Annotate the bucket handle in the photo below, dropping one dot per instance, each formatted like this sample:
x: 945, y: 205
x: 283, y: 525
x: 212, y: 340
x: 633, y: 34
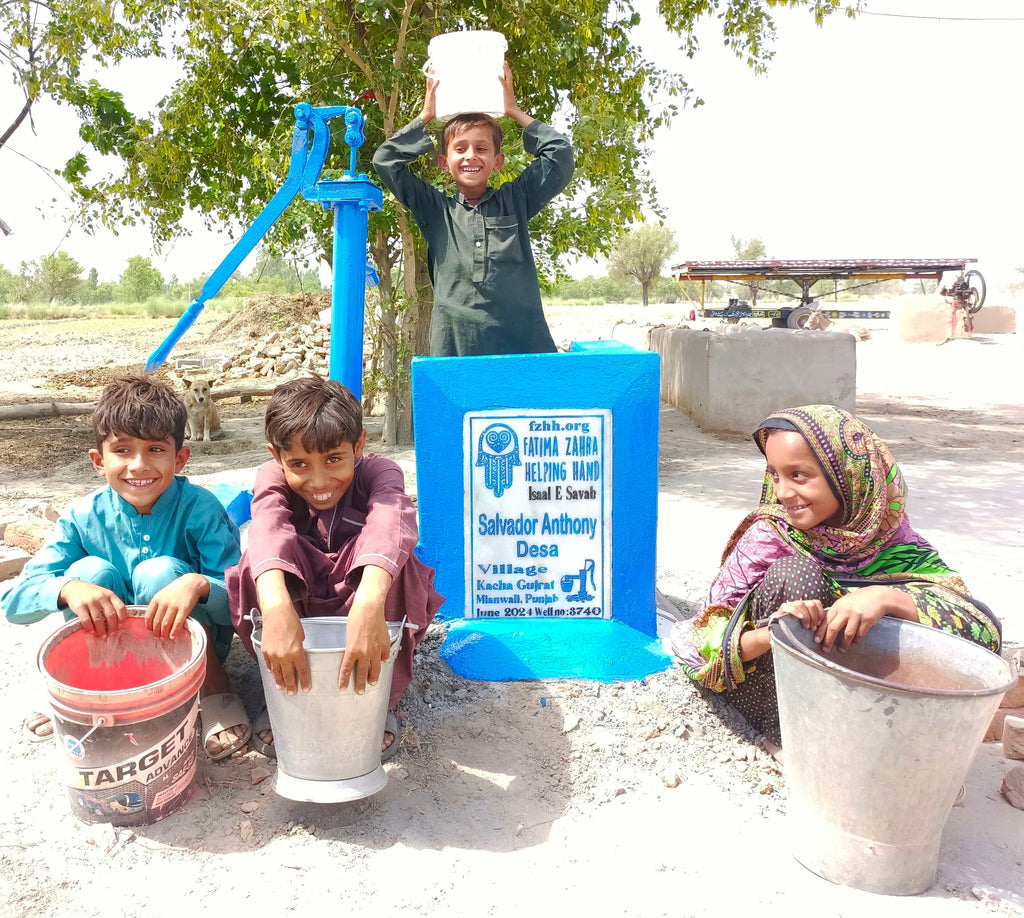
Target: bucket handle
x: 75, y: 746
x: 254, y: 617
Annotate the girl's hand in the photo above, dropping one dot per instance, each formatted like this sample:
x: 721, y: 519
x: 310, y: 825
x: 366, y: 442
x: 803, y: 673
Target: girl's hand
x: 810, y: 612
x: 855, y: 613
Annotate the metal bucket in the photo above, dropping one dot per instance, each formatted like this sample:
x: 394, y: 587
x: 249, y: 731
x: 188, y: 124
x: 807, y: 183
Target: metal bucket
x: 878, y: 740
x: 327, y: 734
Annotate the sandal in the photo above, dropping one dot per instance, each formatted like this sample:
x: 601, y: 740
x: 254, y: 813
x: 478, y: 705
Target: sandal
x: 260, y: 725
x: 391, y: 726
x: 221, y: 712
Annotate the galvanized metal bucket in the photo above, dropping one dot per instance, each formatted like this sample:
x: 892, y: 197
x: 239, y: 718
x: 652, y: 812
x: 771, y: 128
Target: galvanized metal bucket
x: 328, y: 734
x: 878, y: 741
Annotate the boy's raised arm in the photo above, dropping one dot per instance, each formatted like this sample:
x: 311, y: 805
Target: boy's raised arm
x: 512, y: 108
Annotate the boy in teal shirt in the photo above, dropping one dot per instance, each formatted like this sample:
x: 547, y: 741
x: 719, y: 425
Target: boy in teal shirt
x: 150, y: 538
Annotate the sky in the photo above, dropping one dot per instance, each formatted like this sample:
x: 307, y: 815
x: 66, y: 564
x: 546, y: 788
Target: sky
x: 895, y: 135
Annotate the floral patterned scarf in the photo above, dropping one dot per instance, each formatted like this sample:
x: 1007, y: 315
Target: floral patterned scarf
x: 874, y: 538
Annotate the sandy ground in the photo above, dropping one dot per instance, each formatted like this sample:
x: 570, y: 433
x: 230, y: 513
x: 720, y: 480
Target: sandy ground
x: 639, y: 799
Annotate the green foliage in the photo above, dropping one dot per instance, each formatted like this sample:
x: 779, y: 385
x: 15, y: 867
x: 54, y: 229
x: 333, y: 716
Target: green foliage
x: 640, y: 254
x: 140, y: 280
x: 57, y: 277
x: 220, y: 141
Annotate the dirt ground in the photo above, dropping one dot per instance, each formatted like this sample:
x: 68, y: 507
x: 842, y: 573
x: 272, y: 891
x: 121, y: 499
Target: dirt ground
x: 640, y: 799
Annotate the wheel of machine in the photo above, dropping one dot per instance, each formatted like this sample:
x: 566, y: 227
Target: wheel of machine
x: 976, y: 296
x: 798, y: 317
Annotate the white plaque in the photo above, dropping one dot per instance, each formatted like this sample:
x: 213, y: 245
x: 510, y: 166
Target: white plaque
x: 538, y: 487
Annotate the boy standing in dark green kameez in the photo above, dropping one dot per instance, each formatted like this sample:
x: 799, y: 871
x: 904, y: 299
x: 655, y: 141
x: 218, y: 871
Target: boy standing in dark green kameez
x: 486, y: 295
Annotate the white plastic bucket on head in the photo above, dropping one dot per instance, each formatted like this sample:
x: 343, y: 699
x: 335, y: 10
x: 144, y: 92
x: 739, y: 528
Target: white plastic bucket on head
x: 468, y: 66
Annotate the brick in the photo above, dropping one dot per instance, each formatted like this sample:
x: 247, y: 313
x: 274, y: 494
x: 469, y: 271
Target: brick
x: 1013, y: 737
x: 1014, y: 655
x: 995, y: 729
x: 1015, y: 697
x: 12, y: 560
x: 29, y: 536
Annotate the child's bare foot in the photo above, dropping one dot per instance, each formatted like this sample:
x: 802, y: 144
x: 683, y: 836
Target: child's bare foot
x: 39, y: 727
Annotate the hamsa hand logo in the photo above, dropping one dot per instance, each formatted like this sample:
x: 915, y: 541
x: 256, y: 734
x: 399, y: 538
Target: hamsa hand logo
x: 498, y: 453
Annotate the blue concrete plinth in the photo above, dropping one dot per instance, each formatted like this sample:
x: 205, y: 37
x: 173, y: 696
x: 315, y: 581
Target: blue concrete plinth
x: 525, y: 601
x: 503, y: 651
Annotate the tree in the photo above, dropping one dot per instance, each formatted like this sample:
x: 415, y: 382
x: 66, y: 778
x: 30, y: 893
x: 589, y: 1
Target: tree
x: 44, y: 43
x: 220, y: 143
x: 140, y: 280
x: 640, y: 254
x: 57, y: 277
x: 749, y: 250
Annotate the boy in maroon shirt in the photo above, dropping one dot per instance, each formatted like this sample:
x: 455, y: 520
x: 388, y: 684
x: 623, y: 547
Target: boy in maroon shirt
x: 332, y: 533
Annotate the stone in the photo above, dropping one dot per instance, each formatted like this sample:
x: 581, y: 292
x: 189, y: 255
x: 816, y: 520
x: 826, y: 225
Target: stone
x: 1013, y: 787
x: 1013, y: 737
x: 670, y: 778
x: 12, y: 560
x: 1015, y: 697
x: 43, y: 510
x: 995, y: 729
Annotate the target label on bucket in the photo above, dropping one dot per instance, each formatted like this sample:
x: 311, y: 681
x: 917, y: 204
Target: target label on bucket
x: 150, y: 764
x: 538, y: 514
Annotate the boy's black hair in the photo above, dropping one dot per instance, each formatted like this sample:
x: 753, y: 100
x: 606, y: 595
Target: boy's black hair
x: 322, y: 413
x: 139, y: 406
x: 462, y: 122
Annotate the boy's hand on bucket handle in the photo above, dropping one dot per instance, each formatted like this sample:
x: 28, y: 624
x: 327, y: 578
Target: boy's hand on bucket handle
x: 282, y: 634
x: 170, y: 608
x: 97, y: 608
x: 367, y: 641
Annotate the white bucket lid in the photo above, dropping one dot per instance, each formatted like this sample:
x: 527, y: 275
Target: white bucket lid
x: 468, y: 40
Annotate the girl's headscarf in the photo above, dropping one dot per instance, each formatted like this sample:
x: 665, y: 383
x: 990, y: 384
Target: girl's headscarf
x: 873, y: 538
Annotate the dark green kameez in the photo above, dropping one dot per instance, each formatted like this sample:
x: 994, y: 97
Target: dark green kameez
x: 486, y: 295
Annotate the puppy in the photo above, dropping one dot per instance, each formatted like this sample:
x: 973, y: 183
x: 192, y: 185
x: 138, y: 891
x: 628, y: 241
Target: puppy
x: 203, y: 418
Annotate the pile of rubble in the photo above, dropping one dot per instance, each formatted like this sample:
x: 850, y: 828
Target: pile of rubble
x: 288, y: 351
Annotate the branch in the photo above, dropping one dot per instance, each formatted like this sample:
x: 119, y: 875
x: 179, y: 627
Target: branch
x: 403, y: 32
x: 22, y: 115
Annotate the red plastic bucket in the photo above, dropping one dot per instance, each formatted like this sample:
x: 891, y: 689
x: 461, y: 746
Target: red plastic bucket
x: 126, y: 713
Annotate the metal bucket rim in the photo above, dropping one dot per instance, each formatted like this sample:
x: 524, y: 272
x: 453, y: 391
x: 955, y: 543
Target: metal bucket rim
x: 55, y: 687
x: 781, y: 636
x: 394, y: 631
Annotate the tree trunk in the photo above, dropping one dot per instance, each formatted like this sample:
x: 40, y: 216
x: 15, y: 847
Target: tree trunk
x: 645, y: 290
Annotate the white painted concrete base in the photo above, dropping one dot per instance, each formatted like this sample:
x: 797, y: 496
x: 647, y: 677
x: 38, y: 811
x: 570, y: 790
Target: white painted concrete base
x: 731, y: 382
